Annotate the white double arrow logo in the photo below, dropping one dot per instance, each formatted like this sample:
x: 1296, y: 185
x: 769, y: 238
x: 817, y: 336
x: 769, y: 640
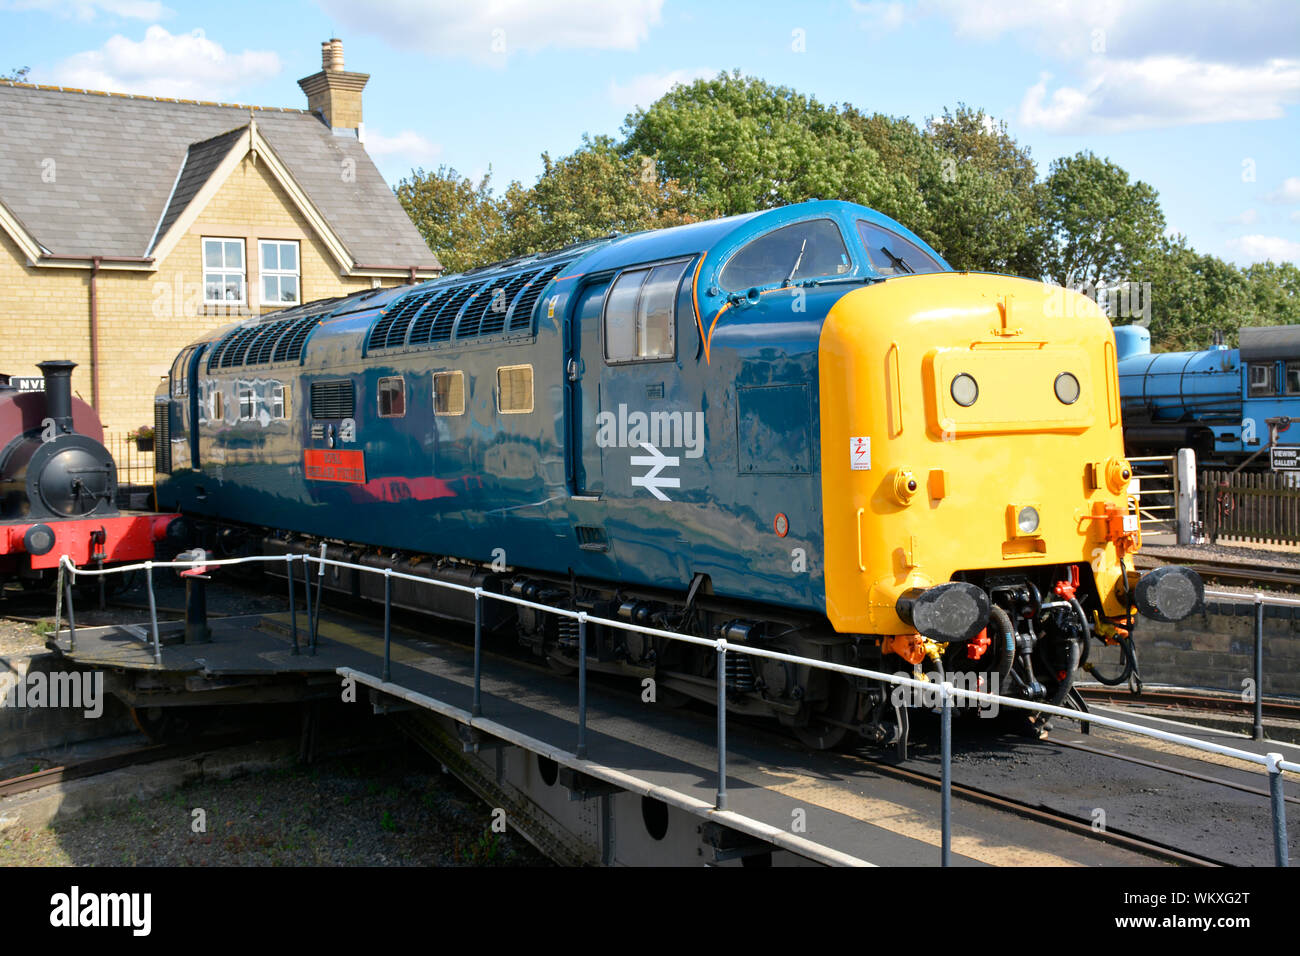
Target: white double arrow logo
x: 658, y: 462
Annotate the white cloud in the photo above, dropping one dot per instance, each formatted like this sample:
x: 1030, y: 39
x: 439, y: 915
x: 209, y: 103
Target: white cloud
x: 1288, y: 193
x: 880, y: 14
x: 494, y: 31
x: 407, y: 145
x: 182, y: 65
x: 89, y: 9
x: 645, y: 89
x: 1258, y: 248
x: 1162, y: 91
x: 1247, y: 218
x: 1134, y: 64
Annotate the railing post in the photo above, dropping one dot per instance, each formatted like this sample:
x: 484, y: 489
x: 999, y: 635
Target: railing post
x: 945, y: 792
x: 306, y: 580
x: 72, y: 614
x: 582, y: 685
x: 293, y: 611
x: 58, y: 601
x: 721, y: 802
x: 320, y: 589
x: 388, y: 623
x: 477, y: 710
x: 1279, y: 810
x: 153, y: 613
x: 1259, y: 667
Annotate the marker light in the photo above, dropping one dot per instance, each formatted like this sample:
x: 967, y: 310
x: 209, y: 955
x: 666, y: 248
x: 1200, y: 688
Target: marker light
x: 1067, y: 388
x: 965, y: 390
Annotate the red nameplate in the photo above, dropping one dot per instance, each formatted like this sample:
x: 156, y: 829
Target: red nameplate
x: 321, y: 465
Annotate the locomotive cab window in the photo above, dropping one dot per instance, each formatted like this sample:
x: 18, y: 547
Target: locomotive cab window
x: 515, y: 389
x: 892, y: 255
x: 449, y: 393
x: 640, y: 314
x: 1293, y: 378
x: 180, y: 374
x: 802, y: 250
x: 1262, y: 379
x: 392, y: 397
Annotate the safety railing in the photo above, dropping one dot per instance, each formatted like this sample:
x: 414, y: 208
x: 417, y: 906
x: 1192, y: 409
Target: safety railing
x: 1273, y: 764
x: 1154, y: 488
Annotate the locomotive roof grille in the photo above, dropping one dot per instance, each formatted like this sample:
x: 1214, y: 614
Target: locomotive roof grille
x: 468, y: 327
x: 383, y: 331
x: 521, y: 316
x: 418, y: 324
x: 494, y: 321
x: 440, y: 329
x: 290, y: 346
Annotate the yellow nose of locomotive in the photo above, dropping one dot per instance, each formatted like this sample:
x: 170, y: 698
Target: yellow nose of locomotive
x: 969, y: 422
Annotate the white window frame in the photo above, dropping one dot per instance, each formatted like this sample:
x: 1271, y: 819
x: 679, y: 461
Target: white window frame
x: 279, y: 407
x: 247, y: 399
x: 225, y: 271
x: 263, y: 272
x: 450, y: 373
x: 532, y: 391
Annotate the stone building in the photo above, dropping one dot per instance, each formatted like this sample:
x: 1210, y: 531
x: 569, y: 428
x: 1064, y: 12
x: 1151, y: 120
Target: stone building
x: 130, y: 225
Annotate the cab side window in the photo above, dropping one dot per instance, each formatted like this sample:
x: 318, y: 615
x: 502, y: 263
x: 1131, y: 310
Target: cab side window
x: 892, y: 255
x: 640, y: 312
x: 1293, y: 378
x: 802, y: 250
x: 1261, y: 380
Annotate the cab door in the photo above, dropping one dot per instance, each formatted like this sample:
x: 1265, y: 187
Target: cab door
x: 582, y: 398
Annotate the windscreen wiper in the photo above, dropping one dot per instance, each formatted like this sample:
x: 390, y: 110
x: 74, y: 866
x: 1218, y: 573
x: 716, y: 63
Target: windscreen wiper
x: 795, y: 268
x: 896, y: 262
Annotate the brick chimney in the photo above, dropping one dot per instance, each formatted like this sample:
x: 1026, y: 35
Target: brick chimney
x: 335, y: 94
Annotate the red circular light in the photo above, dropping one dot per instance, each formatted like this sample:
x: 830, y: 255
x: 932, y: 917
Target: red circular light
x: 781, y: 524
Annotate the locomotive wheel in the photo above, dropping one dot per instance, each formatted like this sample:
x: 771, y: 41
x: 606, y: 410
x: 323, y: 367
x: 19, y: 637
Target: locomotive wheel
x: 826, y: 727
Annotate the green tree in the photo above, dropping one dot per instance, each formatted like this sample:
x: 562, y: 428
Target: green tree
x: 1191, y: 296
x: 1097, y: 225
x: 461, y: 220
x: 594, y: 191
x: 18, y: 75
x: 982, y: 196
x: 1272, y: 294
x: 737, y: 144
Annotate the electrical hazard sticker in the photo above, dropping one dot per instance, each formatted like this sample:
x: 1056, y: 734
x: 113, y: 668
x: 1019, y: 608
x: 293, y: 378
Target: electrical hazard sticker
x: 860, y: 454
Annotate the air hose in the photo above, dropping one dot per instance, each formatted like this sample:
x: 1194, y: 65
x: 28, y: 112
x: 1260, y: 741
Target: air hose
x: 1002, y: 621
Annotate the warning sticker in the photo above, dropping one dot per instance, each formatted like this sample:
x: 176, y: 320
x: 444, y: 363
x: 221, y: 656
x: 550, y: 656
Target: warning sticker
x: 860, y: 454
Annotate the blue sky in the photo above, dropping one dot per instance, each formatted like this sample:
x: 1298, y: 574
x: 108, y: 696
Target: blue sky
x: 1200, y: 98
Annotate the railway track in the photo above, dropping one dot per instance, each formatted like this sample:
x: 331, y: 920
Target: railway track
x: 1179, y: 699
x: 1064, y: 821
x: 1231, y: 573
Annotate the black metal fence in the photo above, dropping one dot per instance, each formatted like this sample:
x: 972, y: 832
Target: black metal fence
x: 135, y: 460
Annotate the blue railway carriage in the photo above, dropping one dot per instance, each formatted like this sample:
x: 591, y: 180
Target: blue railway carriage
x: 798, y: 428
x: 1219, y: 401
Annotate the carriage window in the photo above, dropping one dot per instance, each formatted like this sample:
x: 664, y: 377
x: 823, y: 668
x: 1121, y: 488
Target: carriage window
x: 804, y: 250
x: 640, y: 314
x: 1293, y: 378
x: 247, y: 405
x: 515, y: 389
x: 392, y: 397
x: 1261, y: 379
x: 449, y: 393
x: 277, y: 402
x: 892, y: 255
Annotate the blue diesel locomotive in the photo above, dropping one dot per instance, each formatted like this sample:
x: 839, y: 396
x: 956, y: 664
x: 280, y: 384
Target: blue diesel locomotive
x: 797, y: 427
x: 1219, y: 401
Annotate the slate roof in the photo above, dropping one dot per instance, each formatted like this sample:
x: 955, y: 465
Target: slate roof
x: 115, y: 159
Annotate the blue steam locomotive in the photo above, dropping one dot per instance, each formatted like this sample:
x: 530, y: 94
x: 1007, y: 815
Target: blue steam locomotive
x: 1222, y: 402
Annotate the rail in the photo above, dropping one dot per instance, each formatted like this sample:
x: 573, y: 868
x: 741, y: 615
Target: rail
x: 1273, y: 764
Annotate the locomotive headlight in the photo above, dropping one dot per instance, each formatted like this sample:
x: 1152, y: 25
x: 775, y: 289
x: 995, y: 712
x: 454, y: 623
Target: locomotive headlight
x: 964, y: 390
x: 1067, y: 388
x: 1027, y: 520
